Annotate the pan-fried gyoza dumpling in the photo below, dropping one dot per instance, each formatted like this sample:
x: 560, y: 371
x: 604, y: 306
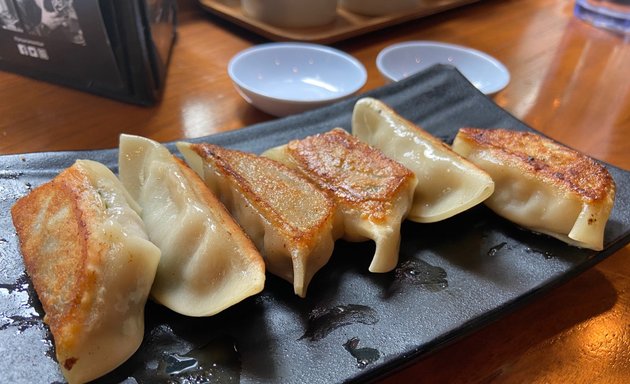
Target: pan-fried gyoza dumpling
x: 286, y: 216
x: 372, y: 193
x: 208, y: 263
x: 92, y: 266
x: 542, y: 185
x: 447, y: 183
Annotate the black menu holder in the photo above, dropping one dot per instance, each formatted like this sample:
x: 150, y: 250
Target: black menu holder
x: 114, y: 48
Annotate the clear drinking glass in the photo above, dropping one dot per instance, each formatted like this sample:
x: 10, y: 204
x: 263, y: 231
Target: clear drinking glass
x: 613, y: 15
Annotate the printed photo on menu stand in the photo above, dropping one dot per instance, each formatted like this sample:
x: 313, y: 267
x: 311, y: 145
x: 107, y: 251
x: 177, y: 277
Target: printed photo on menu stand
x: 59, y: 40
x: 9, y: 19
x: 56, y: 19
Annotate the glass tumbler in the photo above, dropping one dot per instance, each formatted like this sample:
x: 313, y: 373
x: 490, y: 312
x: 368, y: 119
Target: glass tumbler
x: 613, y: 15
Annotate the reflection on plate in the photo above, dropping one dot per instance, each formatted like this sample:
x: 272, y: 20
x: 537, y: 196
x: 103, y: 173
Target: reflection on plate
x: 453, y: 276
x: 402, y: 60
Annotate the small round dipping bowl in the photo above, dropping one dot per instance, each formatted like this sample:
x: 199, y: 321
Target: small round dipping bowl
x: 288, y: 78
x: 402, y: 60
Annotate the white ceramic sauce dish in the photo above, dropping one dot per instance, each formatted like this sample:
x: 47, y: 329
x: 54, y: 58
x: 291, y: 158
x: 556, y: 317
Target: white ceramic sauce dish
x: 402, y: 60
x: 288, y: 78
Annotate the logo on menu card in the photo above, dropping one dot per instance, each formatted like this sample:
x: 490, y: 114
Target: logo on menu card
x: 31, y: 48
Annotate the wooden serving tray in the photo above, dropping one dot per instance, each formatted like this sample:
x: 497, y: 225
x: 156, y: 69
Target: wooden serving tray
x: 346, y: 25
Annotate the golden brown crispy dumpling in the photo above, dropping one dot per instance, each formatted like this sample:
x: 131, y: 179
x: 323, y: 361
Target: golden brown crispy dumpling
x: 447, y: 183
x: 372, y: 193
x: 208, y: 263
x: 287, y: 217
x: 542, y: 185
x: 91, y: 264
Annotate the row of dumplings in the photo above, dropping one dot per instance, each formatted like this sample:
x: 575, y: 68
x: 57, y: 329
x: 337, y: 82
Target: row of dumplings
x: 198, y: 237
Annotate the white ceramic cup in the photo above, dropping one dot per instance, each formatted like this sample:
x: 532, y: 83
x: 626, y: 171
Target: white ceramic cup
x: 291, y: 13
x: 377, y: 7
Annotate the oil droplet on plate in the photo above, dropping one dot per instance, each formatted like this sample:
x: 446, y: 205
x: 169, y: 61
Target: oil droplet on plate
x: 493, y: 250
x: 218, y: 361
x: 418, y: 272
x: 21, y: 313
x: 546, y: 254
x: 322, y: 321
x: 365, y: 356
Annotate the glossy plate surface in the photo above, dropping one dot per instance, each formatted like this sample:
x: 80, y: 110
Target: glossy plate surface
x: 453, y: 276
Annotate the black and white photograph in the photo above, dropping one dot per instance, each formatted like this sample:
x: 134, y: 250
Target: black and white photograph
x: 118, y: 49
x: 56, y: 19
x: 9, y: 18
x: 61, y: 39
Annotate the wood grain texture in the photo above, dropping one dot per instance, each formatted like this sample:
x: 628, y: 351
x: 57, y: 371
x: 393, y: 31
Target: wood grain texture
x: 569, y: 81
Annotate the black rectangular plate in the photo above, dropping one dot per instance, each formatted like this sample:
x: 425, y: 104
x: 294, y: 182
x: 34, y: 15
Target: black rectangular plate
x: 453, y: 276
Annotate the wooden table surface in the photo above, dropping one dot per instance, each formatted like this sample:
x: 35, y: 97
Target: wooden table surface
x: 569, y: 80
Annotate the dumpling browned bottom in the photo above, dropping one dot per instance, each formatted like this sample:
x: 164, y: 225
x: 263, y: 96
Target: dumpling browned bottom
x: 373, y: 193
x: 208, y: 263
x: 287, y: 217
x: 91, y: 264
x: 542, y: 185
